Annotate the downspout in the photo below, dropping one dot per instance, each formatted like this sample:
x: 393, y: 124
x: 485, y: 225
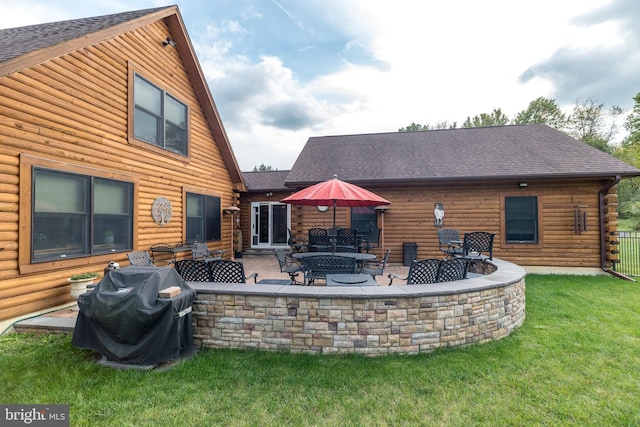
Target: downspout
x: 603, y: 239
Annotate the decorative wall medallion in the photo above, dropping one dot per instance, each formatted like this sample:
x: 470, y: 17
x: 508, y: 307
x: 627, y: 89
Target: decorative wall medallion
x: 161, y: 211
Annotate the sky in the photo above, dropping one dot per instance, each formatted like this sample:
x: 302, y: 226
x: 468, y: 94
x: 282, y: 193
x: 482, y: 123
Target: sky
x: 282, y: 71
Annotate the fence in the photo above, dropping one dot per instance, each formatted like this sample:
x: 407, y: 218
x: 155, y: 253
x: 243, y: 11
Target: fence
x: 629, y: 253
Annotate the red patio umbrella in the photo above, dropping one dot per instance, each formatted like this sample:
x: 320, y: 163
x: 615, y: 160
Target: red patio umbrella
x: 335, y: 193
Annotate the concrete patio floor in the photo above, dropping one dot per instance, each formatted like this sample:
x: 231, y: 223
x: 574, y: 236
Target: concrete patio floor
x: 62, y: 319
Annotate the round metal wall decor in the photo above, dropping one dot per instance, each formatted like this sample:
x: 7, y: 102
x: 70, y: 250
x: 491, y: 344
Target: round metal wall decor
x: 161, y: 211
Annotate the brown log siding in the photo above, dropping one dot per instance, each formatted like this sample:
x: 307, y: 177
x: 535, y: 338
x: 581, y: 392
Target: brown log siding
x: 74, y: 110
x: 480, y: 208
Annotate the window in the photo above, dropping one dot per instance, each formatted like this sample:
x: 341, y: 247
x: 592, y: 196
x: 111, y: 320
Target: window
x: 203, y: 218
x: 159, y: 118
x: 521, y: 219
x: 364, y: 219
x: 78, y: 215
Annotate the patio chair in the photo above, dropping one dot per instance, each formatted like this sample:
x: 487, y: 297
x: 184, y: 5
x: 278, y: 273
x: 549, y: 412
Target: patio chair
x: 371, y: 239
x: 449, y: 241
x: 293, y: 243
x: 376, y: 268
x: 193, y: 270
x: 317, y: 267
x: 319, y: 240
x: 453, y: 269
x: 478, y: 245
x: 346, y: 240
x: 139, y: 258
x: 420, y: 271
x: 227, y: 271
x: 201, y: 251
x: 289, y: 265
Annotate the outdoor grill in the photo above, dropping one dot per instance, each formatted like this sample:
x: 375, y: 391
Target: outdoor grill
x: 137, y: 315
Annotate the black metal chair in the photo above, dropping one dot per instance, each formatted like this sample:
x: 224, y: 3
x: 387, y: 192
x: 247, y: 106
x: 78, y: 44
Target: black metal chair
x: 293, y: 243
x: 319, y: 240
x: 140, y: 258
x: 201, y: 251
x: 193, y: 270
x: 453, y: 269
x: 227, y: 271
x: 420, y: 271
x: 371, y: 239
x: 449, y: 241
x: 478, y: 245
x: 376, y: 268
x: 346, y: 240
x: 317, y: 267
x: 289, y: 265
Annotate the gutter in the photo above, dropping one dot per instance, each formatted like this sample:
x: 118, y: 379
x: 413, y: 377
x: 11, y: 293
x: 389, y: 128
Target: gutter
x: 603, y: 241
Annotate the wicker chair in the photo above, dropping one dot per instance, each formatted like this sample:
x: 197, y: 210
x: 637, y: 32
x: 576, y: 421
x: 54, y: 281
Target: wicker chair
x: 376, y: 268
x: 453, y: 269
x: 193, y: 270
x: 420, y: 271
x: 449, y: 241
x: 288, y: 265
x: 139, y: 258
x: 227, y: 271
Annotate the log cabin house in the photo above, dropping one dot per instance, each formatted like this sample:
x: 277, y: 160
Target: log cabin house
x: 110, y: 142
x: 550, y: 199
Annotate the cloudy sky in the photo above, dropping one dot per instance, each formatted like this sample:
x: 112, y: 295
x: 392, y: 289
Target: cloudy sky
x: 281, y: 71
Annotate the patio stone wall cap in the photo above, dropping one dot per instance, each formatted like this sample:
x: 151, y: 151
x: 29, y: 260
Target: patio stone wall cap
x: 506, y: 273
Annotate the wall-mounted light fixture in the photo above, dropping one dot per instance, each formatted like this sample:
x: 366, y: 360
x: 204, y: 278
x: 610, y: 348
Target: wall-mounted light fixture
x: 523, y: 184
x: 168, y: 42
x: 269, y: 194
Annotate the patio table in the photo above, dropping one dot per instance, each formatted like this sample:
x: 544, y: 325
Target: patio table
x: 357, y: 255
x: 350, y: 280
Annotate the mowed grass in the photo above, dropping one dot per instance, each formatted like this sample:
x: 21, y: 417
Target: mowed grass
x: 576, y: 361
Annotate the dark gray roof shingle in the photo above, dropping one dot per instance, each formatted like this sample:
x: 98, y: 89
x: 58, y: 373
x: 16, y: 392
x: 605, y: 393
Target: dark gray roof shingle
x: 503, y: 152
x: 266, y: 180
x: 18, y: 41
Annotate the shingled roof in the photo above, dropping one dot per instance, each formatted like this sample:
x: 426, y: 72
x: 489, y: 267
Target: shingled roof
x: 24, y: 47
x: 19, y: 41
x: 266, y: 180
x: 467, y: 154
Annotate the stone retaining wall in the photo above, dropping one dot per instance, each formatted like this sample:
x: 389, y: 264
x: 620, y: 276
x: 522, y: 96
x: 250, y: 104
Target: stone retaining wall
x: 364, y: 320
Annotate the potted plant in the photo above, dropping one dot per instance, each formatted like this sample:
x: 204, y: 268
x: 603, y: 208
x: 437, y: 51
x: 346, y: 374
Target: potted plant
x: 79, y: 283
x: 108, y: 237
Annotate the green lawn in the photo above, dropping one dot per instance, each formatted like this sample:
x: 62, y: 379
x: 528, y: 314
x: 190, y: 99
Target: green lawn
x: 576, y: 362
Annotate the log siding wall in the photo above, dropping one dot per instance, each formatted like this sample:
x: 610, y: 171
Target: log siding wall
x: 73, y: 110
x: 481, y: 208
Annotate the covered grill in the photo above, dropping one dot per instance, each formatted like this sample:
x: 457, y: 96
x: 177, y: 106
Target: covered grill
x: 126, y: 321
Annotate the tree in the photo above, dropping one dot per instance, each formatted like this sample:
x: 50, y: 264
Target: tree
x: 591, y: 123
x: 632, y: 125
x: 262, y: 168
x: 629, y: 151
x: 496, y: 118
x: 542, y: 110
x: 414, y: 127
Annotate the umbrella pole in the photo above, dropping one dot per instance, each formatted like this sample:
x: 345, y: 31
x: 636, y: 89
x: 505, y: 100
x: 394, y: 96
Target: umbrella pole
x: 333, y: 240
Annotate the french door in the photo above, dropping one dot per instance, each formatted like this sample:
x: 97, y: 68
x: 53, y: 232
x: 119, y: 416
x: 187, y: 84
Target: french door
x: 269, y: 223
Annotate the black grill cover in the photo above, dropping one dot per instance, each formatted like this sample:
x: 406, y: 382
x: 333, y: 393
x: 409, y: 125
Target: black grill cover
x: 125, y: 321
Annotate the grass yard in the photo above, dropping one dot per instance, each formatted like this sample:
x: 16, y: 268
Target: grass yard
x: 575, y: 362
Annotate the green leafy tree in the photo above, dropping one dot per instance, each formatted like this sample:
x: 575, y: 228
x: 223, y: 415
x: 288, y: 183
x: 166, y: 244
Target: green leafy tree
x: 496, y: 118
x: 262, y: 168
x: 414, y: 127
x: 629, y: 151
x: 543, y: 110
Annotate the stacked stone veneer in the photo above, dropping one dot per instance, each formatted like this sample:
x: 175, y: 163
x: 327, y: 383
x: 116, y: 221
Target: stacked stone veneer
x: 370, y: 325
